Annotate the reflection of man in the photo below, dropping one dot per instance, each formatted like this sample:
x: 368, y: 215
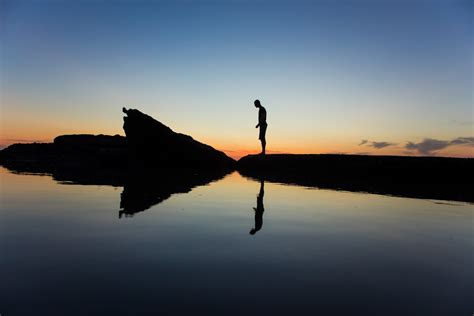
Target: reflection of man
x: 259, y: 210
x: 262, y: 123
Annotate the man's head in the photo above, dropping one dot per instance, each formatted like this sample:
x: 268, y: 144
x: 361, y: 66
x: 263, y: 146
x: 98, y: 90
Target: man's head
x: 257, y: 103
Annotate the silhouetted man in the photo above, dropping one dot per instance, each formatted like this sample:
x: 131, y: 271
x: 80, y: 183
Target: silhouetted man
x: 262, y: 123
x: 259, y: 210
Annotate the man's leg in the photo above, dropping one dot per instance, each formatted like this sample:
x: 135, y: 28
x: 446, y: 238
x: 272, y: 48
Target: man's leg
x: 263, y: 130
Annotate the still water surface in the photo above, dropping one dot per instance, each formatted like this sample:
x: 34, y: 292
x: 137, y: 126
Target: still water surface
x: 65, y: 251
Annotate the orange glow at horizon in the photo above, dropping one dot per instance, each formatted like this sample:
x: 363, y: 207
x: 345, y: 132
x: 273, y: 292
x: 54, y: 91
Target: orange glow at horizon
x: 236, y: 152
x: 22, y: 133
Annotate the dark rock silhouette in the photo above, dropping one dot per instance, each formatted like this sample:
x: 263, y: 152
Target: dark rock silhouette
x: 418, y: 177
x: 153, y: 143
x: 67, y: 152
x: 148, y: 144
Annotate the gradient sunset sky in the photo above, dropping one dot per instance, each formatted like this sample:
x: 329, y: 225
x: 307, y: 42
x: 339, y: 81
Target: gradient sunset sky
x: 378, y: 77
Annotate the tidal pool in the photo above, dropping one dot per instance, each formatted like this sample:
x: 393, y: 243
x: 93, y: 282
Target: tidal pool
x: 233, y: 246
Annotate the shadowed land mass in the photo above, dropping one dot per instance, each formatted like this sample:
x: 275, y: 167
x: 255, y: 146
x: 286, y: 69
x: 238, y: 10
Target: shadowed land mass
x: 418, y: 177
x: 148, y: 144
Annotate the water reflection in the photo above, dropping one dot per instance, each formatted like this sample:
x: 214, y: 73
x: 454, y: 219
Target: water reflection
x: 142, y: 191
x: 193, y: 255
x: 142, y: 188
x: 259, y: 209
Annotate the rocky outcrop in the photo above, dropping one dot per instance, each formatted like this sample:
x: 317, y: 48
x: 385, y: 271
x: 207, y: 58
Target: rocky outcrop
x: 67, y: 152
x: 154, y: 144
x: 148, y: 144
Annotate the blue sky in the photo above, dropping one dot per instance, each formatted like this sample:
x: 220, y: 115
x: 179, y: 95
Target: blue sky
x: 330, y: 73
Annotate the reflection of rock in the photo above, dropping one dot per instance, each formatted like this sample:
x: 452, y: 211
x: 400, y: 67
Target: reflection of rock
x: 142, y: 191
x: 419, y: 177
x: 155, y: 144
x: 142, y: 187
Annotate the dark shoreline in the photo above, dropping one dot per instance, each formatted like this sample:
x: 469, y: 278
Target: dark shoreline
x: 416, y: 177
x: 436, y: 178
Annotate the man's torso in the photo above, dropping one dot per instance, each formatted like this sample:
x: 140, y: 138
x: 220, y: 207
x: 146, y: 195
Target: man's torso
x: 262, y: 116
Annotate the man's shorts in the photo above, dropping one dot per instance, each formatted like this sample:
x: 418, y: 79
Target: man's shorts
x: 263, y: 130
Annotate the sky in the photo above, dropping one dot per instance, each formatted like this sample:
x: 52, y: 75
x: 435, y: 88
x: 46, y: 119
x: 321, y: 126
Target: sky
x: 355, y: 77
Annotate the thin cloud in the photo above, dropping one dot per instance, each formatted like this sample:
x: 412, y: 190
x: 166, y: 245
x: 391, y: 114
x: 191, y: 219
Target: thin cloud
x: 380, y: 145
x: 464, y: 123
x: 375, y: 144
x: 429, y: 145
x: 463, y: 141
